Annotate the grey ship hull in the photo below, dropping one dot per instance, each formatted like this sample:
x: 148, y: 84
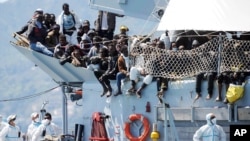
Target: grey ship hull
x: 188, y: 116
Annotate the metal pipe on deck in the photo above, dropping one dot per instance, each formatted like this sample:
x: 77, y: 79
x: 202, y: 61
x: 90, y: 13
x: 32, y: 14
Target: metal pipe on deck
x: 64, y: 110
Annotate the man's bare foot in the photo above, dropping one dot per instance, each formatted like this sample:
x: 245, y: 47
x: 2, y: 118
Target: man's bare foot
x: 197, y: 96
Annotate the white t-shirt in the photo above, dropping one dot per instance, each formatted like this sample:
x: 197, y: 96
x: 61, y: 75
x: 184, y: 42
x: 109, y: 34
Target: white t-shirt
x: 68, y: 21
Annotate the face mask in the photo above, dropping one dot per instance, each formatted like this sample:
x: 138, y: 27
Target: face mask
x: 46, y: 122
x: 213, y: 121
x: 36, y: 120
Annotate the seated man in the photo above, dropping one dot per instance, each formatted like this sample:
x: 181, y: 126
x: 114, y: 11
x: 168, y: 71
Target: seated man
x: 210, y: 77
x: 110, y: 73
x: 223, y: 77
x: 162, y: 86
x: 103, y: 62
x: 61, y: 47
x: 52, y: 38
x: 123, y: 62
x: 36, y: 34
x: 236, y: 78
x: 25, y: 27
x: 134, y: 73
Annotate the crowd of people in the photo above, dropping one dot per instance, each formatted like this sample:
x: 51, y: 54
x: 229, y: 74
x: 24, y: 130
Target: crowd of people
x: 69, y: 39
x: 38, y: 129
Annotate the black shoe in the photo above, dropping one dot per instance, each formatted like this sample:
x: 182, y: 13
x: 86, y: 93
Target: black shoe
x: 104, y: 93
x: 118, y: 93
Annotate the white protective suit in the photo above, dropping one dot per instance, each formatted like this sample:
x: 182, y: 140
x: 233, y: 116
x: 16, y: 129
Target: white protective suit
x: 10, y: 133
x: 51, y: 129
x: 31, y: 129
x: 33, y: 126
x: 2, y: 124
x: 210, y: 132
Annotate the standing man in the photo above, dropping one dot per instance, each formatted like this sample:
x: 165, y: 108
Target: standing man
x: 166, y: 39
x: 211, y: 131
x: 35, y: 123
x: 105, y: 24
x: 69, y: 23
x: 11, y: 132
x: 46, y: 129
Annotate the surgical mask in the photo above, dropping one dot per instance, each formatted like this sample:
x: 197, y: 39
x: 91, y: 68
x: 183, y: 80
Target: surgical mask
x: 36, y: 120
x: 213, y: 121
x: 46, y: 122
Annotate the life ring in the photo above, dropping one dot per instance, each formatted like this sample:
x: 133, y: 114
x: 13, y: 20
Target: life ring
x: 145, y: 132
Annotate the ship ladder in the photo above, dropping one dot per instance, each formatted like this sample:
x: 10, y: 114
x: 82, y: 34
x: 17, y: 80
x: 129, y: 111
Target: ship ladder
x: 98, y: 131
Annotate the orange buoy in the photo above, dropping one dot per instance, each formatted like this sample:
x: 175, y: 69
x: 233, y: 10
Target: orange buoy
x: 145, y: 132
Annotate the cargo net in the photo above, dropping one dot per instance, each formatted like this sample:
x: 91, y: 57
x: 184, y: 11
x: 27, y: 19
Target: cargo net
x: 216, y: 55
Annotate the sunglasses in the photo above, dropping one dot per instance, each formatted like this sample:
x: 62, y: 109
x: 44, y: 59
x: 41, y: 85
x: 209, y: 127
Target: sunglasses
x: 47, y: 118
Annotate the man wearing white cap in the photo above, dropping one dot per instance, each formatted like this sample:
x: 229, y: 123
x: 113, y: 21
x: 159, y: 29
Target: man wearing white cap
x: 211, y: 131
x: 2, y: 124
x: 33, y: 126
x: 11, y: 132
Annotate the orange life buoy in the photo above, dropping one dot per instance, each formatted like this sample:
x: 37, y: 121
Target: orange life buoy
x: 145, y: 132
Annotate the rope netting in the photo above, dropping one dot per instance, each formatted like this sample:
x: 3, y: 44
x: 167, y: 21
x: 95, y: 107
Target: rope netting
x: 217, y: 55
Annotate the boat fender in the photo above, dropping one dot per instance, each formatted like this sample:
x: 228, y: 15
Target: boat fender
x: 144, y: 120
x: 155, y: 135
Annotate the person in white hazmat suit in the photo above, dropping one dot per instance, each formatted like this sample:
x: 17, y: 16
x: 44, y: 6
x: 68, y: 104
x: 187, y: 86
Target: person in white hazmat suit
x: 211, y: 131
x: 11, y: 132
x: 2, y: 124
x: 47, y: 130
x: 35, y: 123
